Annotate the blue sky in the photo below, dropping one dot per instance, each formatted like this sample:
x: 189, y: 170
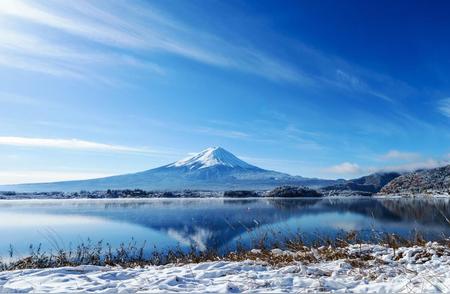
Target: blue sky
x: 332, y: 89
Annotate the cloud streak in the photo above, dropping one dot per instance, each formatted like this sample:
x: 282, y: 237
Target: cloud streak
x: 132, y: 28
x: 32, y: 46
x: 398, y: 155
x: 139, y: 29
x: 345, y: 168
x: 444, y: 107
x: 73, y: 144
x: 412, y: 166
x: 233, y: 134
x: 12, y: 177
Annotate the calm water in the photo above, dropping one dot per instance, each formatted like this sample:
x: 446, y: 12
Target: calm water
x: 207, y: 222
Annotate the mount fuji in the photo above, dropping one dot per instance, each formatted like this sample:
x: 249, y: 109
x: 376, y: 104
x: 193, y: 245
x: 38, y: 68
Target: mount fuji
x: 212, y: 169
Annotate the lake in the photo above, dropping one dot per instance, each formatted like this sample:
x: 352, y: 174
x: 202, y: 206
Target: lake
x: 220, y: 223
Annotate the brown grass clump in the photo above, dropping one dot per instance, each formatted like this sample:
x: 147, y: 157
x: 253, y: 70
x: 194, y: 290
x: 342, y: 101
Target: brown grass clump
x: 277, y: 252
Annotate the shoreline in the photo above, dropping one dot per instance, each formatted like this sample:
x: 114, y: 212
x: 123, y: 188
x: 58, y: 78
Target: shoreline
x: 355, y: 268
x: 416, y: 196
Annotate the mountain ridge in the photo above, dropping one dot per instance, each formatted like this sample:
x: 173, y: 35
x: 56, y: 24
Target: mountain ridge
x: 211, y: 169
x: 421, y: 182
x: 366, y: 185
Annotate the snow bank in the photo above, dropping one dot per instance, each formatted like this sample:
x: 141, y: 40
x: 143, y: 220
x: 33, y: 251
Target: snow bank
x: 412, y: 269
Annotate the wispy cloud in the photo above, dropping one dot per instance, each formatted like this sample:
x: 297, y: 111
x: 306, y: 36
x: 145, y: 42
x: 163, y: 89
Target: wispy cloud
x: 12, y: 177
x: 444, y: 107
x: 28, y: 46
x: 345, y: 168
x: 27, y: 64
x: 226, y: 130
x: 281, y: 165
x: 276, y: 127
x: 140, y: 28
x: 352, y: 82
x: 233, y: 134
x: 73, y: 144
x: 6, y: 97
x: 132, y: 27
x: 31, y: 53
x: 412, y: 166
x: 328, y: 70
x: 414, y: 162
x: 398, y: 155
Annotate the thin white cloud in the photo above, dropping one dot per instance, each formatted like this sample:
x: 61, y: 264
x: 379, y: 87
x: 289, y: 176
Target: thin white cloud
x: 44, y: 15
x: 412, y: 166
x: 6, y: 97
x: 12, y: 177
x: 72, y: 144
x: 349, y: 169
x: 290, y: 166
x: 352, y: 82
x: 90, y: 22
x: 444, y: 107
x: 138, y: 30
x: 29, y: 64
x: 345, y: 168
x: 32, y: 53
x: 233, y: 134
x: 34, y: 46
x: 211, y: 131
x: 399, y: 155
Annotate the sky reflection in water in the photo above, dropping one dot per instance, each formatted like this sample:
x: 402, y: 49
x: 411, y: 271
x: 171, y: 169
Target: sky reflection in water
x: 206, y: 223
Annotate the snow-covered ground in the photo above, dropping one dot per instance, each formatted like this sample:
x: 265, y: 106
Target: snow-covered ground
x: 411, y: 270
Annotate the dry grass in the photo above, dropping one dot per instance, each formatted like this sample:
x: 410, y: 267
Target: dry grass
x: 293, y: 249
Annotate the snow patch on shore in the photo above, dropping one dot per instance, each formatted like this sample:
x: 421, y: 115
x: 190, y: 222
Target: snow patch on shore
x: 411, y: 269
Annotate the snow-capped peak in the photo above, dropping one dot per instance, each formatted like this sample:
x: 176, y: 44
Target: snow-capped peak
x: 212, y: 156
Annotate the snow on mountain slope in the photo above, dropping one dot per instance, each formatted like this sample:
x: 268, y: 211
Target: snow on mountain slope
x: 210, y: 157
x: 211, y: 169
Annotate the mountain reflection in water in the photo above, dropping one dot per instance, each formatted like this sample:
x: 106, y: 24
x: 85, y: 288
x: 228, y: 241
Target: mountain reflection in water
x: 218, y: 223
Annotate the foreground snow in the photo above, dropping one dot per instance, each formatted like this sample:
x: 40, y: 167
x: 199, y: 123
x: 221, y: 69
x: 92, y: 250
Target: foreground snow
x: 415, y: 269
